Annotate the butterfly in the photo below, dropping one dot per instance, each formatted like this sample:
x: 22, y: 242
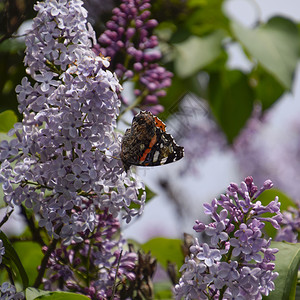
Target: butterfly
x: 147, y: 143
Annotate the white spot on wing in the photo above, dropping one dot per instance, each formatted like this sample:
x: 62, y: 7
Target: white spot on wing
x: 155, y: 156
x: 163, y: 160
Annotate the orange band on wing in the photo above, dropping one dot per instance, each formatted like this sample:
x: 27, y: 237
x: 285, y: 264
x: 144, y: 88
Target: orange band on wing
x: 152, y: 142
x: 160, y: 124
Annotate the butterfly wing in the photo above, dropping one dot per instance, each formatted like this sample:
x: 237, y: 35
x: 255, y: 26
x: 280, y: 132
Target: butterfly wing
x: 163, y: 151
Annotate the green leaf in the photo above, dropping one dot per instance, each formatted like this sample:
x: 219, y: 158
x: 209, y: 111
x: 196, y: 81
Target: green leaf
x: 32, y: 293
x: 31, y: 255
x: 206, y: 16
x: 163, y: 290
x: 298, y: 289
x: 265, y: 198
x: 267, y: 88
x: 275, y: 45
x: 62, y: 296
x: 286, y: 264
x: 149, y: 194
x: 12, y: 46
x: 165, y: 250
x: 195, y: 53
x: 12, y: 255
x: 231, y: 100
x: 179, y: 88
x: 7, y: 120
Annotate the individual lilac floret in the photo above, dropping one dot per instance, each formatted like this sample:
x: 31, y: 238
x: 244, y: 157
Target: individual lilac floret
x: 237, y: 263
x: 97, y: 257
x: 66, y: 151
x: 129, y: 42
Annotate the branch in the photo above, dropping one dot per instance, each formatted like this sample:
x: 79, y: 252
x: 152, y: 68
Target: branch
x: 6, y: 217
x: 42, y: 270
x: 115, y: 281
x: 34, y: 231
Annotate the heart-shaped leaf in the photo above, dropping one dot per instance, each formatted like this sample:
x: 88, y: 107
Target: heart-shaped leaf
x: 195, y: 53
x: 11, y: 255
x: 231, y: 100
x: 7, y: 120
x: 286, y: 264
x: 275, y: 45
x: 164, y: 250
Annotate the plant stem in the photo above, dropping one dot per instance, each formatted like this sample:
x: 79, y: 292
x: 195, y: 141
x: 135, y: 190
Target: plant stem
x: 137, y: 101
x: 6, y: 217
x: 115, y: 281
x: 34, y: 231
x: 88, y: 263
x: 42, y: 270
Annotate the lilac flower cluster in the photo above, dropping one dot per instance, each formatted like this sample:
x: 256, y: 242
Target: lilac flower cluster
x: 66, y: 154
x: 257, y: 155
x: 238, y: 261
x: 8, y: 291
x: 290, y: 225
x: 134, y: 55
x: 254, y: 153
x: 90, y: 267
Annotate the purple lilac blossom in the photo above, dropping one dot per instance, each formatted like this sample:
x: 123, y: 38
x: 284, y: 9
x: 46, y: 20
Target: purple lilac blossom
x: 237, y: 263
x: 9, y: 292
x: 66, y: 152
x: 250, y: 149
x: 290, y: 226
x: 258, y: 156
x: 134, y: 53
x: 97, y: 257
x: 254, y: 153
x: 200, y: 139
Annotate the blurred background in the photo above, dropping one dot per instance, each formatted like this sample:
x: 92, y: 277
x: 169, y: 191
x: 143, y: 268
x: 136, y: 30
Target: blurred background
x: 233, y: 103
x: 268, y: 146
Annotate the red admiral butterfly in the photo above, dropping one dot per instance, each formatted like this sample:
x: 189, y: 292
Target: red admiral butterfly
x: 146, y: 143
